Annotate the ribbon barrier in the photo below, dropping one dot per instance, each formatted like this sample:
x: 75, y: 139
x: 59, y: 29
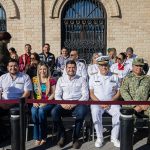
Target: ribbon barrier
x: 89, y: 102
x: 18, y: 119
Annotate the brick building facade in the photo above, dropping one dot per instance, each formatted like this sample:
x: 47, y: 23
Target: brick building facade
x: 39, y: 21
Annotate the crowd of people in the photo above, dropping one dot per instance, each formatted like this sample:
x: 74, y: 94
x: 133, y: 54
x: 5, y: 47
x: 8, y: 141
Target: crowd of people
x: 122, y: 76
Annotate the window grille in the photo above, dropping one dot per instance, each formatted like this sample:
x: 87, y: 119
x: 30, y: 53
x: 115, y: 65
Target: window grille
x: 84, y: 27
x: 2, y: 19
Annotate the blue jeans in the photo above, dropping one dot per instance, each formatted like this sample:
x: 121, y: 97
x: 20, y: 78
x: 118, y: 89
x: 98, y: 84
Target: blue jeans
x: 79, y: 112
x: 39, y: 117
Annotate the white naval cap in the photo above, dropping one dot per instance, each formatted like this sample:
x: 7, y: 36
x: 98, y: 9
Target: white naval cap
x: 103, y: 60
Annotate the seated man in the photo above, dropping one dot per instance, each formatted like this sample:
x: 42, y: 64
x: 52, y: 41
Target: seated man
x: 70, y: 87
x: 104, y: 86
x: 130, y: 56
x: 112, y: 53
x: 81, y: 67
x: 14, y: 84
x: 136, y: 86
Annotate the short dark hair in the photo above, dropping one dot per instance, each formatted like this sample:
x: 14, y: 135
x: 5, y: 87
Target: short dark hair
x: 129, y: 49
x: 5, y: 36
x: 13, y: 49
x: 71, y: 62
x: 64, y: 48
x: 46, y: 44
x: 27, y: 45
x: 36, y: 56
x: 12, y: 60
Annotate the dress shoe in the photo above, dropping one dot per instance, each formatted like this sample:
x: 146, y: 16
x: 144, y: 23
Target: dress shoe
x: 116, y: 142
x: 76, y: 144
x: 148, y: 140
x: 43, y: 142
x: 37, y: 142
x: 61, y: 142
x: 99, y: 142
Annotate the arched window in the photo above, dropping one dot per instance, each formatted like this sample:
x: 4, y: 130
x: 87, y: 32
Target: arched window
x: 84, y: 27
x: 2, y: 19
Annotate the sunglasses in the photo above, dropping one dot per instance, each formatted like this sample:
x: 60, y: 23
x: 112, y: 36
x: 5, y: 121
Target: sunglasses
x: 119, y: 58
x: 139, y: 66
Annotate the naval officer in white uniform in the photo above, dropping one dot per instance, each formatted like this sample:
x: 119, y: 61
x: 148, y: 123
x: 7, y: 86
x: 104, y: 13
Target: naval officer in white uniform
x: 93, y: 67
x: 105, y: 86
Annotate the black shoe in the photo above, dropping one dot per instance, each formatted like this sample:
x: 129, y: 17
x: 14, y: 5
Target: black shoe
x: 61, y: 142
x: 76, y: 144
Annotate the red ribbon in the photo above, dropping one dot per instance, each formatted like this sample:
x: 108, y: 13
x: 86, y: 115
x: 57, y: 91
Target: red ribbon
x: 120, y: 66
x: 89, y: 102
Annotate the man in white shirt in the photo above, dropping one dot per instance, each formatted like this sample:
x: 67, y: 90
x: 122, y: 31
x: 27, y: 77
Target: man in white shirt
x: 14, y: 84
x: 81, y: 67
x: 130, y: 56
x: 104, y: 86
x: 70, y: 87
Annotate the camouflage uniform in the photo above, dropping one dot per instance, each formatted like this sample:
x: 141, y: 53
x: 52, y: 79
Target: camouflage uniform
x: 136, y: 88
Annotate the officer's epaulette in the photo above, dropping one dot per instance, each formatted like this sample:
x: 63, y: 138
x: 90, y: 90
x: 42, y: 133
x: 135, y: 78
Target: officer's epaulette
x: 114, y: 73
x: 93, y: 73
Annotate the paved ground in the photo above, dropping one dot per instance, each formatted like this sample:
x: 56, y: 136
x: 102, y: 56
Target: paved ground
x: 139, y: 144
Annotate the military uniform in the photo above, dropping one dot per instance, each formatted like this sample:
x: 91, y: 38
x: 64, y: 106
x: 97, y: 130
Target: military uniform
x: 92, y: 69
x: 104, y: 88
x: 136, y: 87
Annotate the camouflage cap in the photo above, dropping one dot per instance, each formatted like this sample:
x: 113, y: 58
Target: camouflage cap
x: 138, y: 61
x: 103, y: 60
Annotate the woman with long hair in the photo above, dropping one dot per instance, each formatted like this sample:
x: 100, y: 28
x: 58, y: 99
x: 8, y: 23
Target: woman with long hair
x: 43, y: 88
